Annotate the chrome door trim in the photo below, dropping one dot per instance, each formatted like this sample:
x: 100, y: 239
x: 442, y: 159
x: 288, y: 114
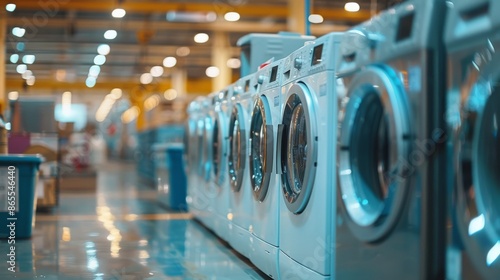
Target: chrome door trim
x: 375, y: 224
x: 298, y: 94
x: 261, y: 117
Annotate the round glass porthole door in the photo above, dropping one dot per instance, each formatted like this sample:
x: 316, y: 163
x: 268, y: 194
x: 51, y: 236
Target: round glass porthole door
x: 372, y: 141
x: 237, y: 148
x: 298, y: 148
x: 261, y: 149
x: 218, y: 147
x: 189, y: 140
x: 200, y: 147
x: 207, y: 149
x: 478, y: 178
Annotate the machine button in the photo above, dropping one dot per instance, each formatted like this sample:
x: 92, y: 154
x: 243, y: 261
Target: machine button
x: 297, y: 63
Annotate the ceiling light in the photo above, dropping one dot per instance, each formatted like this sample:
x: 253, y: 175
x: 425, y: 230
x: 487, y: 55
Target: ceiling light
x: 170, y: 94
x: 18, y: 31
x: 14, y: 58
x: 103, y: 110
x: 30, y: 81
x: 146, y: 78
x: 99, y: 59
x: 21, y: 68
x: 131, y: 114
x: 103, y: 49
x: 183, y: 51
x: 94, y: 70
x: 110, y: 34
x: 212, y: 71
x: 90, y: 82
x: 169, y: 61
x: 201, y: 38
x: 233, y: 63
x: 29, y: 59
x: 191, y: 16
x: 351, y: 7
x: 13, y: 95
x: 315, y: 18
x: 66, y: 101
x: 118, y: 13
x: 27, y: 74
x: 151, y: 102
x: 116, y: 93
x: 20, y: 46
x: 10, y: 7
x: 232, y: 16
x: 156, y: 71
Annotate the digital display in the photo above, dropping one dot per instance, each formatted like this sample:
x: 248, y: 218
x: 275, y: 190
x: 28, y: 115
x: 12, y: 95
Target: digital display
x: 317, y: 52
x: 405, y: 27
x: 274, y: 73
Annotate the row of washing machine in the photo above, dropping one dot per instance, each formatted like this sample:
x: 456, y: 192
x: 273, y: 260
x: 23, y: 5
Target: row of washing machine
x: 368, y: 154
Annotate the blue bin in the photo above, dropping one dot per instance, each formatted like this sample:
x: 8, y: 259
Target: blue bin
x: 22, y: 170
x: 173, y: 193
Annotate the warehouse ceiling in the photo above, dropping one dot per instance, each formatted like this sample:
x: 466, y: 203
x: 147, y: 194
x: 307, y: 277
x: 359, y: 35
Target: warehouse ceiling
x: 64, y: 35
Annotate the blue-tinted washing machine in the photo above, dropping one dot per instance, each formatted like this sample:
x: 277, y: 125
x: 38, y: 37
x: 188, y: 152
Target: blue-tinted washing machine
x: 391, y: 194
x: 265, y: 188
x: 473, y: 114
x: 240, y: 202
x: 208, y: 191
x: 218, y: 178
x: 306, y: 160
x: 192, y: 142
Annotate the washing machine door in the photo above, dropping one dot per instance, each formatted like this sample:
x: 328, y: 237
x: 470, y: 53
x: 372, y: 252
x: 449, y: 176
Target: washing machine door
x: 297, y: 147
x: 207, y: 149
x: 189, y: 140
x: 237, y: 147
x: 261, y: 148
x: 219, y: 137
x: 477, y: 158
x: 200, y: 147
x: 373, y: 147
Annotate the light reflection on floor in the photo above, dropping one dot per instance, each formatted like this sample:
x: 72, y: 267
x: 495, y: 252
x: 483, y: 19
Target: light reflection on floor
x: 120, y: 232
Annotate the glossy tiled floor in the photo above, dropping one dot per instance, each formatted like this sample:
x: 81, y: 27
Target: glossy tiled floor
x: 120, y: 232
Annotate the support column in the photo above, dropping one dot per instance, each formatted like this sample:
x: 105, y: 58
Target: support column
x: 220, y: 54
x: 296, y: 21
x: 136, y: 97
x: 179, y: 81
x: 3, y: 34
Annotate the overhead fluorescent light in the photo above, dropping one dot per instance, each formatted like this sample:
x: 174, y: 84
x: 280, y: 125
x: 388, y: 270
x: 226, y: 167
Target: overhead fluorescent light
x: 191, y: 16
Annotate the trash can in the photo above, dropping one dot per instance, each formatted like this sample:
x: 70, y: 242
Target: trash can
x: 172, y: 193
x: 18, y: 176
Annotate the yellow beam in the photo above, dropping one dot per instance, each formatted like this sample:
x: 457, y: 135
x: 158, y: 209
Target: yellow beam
x: 247, y: 10
x: 196, y: 86
x: 342, y: 15
x: 137, y: 25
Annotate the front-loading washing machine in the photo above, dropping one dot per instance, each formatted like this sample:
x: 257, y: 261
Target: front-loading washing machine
x: 263, y: 181
x: 208, y: 191
x: 241, y: 210
x: 193, y: 148
x: 391, y: 151
x: 473, y: 115
x: 218, y: 178
x: 305, y: 158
